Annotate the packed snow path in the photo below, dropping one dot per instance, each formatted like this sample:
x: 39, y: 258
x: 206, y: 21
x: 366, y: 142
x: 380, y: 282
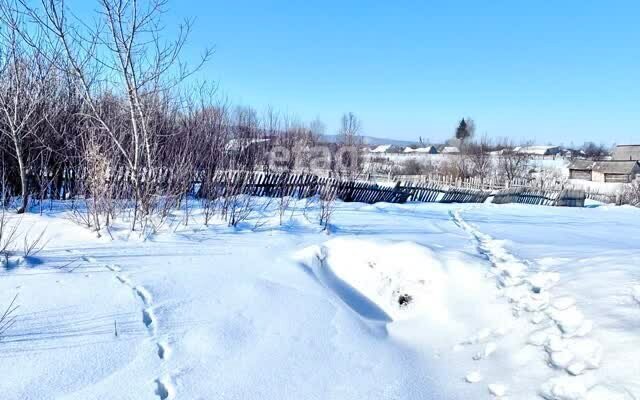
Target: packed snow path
x: 561, y: 329
x: 415, y: 301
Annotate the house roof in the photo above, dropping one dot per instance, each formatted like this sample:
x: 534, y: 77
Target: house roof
x: 627, y: 152
x: 383, y: 148
x: 427, y: 149
x: 499, y: 152
x: 538, y: 150
x: 605, y: 167
x: 450, y: 150
x: 582, y: 164
x: 615, y: 167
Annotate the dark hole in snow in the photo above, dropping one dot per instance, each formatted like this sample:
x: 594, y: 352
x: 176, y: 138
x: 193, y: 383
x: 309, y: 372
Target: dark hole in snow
x: 404, y: 300
x: 536, y: 290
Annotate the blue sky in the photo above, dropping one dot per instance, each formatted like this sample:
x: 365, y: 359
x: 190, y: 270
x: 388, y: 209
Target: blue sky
x: 561, y: 71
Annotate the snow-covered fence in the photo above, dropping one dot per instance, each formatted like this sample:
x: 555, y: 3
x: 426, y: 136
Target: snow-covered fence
x: 571, y: 198
x: 230, y: 183
x: 545, y: 197
x: 350, y: 190
x: 607, y: 198
x: 429, y: 192
x: 476, y: 182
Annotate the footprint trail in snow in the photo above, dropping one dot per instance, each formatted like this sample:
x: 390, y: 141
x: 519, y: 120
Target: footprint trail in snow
x: 560, y: 329
x: 164, y: 386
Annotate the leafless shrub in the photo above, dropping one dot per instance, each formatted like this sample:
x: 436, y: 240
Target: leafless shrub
x: 513, y: 164
x: 81, y: 214
x: 480, y: 158
x: 32, y: 246
x: 326, y: 203
x: 453, y: 166
x: 631, y: 194
x: 283, y: 206
x: 412, y: 167
x: 8, y: 317
x: 7, y: 234
x: 238, y: 208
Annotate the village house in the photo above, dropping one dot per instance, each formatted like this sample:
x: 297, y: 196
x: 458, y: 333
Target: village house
x: 450, y: 150
x: 538, y: 150
x: 623, y: 167
x: 421, y: 150
x: 627, y: 152
x: 612, y: 171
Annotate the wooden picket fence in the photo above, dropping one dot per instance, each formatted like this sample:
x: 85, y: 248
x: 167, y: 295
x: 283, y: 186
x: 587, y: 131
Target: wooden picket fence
x: 564, y: 198
x: 491, y: 183
x: 300, y: 186
x: 430, y: 192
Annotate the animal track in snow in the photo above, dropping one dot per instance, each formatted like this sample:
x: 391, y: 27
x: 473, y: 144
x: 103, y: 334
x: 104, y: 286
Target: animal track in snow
x: 113, y: 268
x: 489, y: 349
x: 497, y: 389
x: 148, y: 318
x: 164, y: 351
x: 164, y: 388
x: 473, y: 377
x: 89, y: 259
x: 565, y: 340
x: 123, y: 280
x: 144, y: 295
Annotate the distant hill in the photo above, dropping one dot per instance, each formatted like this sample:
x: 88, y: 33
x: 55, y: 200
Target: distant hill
x: 372, y: 141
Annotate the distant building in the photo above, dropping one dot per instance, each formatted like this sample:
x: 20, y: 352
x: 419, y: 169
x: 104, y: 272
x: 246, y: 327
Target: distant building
x: 499, y: 152
x: 572, y: 153
x: 581, y: 169
x: 538, y: 150
x: 450, y: 150
x: 421, y: 150
x: 614, y: 171
x: 627, y: 152
x: 383, y: 148
x: 427, y: 150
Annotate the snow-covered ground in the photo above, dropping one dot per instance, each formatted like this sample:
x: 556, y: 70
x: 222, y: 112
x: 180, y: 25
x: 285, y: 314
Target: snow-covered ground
x: 414, y: 301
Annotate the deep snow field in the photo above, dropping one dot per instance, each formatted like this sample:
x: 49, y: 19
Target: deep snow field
x: 414, y: 301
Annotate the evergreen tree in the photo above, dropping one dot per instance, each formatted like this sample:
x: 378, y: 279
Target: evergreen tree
x: 463, y: 132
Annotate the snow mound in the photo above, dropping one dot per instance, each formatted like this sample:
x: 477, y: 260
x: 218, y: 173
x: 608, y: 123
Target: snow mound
x: 401, y: 281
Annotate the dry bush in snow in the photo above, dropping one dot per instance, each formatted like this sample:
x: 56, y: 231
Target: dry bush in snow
x: 631, y: 194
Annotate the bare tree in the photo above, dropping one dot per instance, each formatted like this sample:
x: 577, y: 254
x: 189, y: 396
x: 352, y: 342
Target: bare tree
x: 594, y: 151
x: 513, y: 164
x: 24, y: 72
x: 465, y: 130
x: 124, y: 51
x: 480, y: 158
x: 348, y: 157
